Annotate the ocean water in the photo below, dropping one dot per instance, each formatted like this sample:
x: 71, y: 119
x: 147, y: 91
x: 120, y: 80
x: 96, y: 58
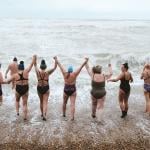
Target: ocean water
x: 103, y: 41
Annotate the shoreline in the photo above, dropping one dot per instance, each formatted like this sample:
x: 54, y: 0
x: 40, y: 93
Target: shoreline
x: 131, y: 133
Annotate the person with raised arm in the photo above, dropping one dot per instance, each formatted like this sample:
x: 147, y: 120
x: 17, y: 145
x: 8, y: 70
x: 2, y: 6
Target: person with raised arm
x: 98, y: 91
x: 70, y: 77
x: 43, y: 85
x: 21, y: 79
x: 124, y: 92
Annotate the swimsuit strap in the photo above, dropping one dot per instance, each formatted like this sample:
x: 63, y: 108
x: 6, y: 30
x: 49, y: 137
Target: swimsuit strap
x: 42, y: 77
x: 103, y: 76
x: 21, y: 77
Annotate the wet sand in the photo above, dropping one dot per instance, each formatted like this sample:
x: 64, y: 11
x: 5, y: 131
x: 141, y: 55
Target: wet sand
x: 83, y: 133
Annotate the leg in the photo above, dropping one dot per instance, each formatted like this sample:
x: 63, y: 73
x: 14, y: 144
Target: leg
x: 25, y: 109
x: 121, y: 98
x: 65, y: 100
x: 146, y: 94
x: 100, y: 103
x: 45, y: 103
x: 41, y: 103
x: 1, y: 100
x: 126, y: 97
x: 148, y: 103
x: 94, y: 106
x: 17, y: 102
x: 122, y: 104
x: 100, y: 106
x: 72, y: 105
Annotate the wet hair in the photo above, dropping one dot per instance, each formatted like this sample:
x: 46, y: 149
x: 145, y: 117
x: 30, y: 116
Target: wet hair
x: 97, y: 69
x: 43, y: 65
x: 15, y: 59
x: 21, y: 65
x: 126, y: 66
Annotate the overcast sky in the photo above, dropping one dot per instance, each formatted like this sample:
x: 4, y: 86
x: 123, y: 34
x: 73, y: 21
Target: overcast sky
x: 88, y: 9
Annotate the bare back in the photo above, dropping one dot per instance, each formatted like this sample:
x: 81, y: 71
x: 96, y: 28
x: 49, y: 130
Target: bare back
x: 98, y: 77
x: 43, y: 77
x: 127, y: 76
x: 13, y: 67
x: 17, y: 77
x: 70, y: 78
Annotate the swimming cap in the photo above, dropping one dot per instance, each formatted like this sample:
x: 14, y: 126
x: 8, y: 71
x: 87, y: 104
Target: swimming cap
x: 21, y: 65
x: 70, y: 69
x: 43, y: 65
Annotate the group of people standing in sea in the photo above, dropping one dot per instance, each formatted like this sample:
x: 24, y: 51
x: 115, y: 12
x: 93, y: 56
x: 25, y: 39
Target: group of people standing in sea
x: 20, y: 82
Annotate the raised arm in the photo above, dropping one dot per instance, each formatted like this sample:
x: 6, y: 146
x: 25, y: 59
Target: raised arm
x: 35, y: 66
x: 116, y: 79
x: 108, y: 76
x: 6, y: 72
x: 28, y: 69
x: 1, y: 78
x: 88, y: 69
x: 60, y: 66
x: 80, y: 68
x: 54, y: 68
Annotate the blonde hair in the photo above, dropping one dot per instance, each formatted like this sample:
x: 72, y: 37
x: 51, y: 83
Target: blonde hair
x: 97, y: 69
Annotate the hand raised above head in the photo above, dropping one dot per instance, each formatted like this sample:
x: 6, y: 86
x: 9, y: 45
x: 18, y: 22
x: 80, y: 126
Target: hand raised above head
x: 55, y: 57
x: 109, y: 65
x: 87, y: 59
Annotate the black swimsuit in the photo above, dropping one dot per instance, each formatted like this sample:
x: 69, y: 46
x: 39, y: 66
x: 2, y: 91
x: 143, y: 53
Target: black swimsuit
x: 69, y: 89
x: 1, y: 93
x: 44, y: 88
x: 22, y: 89
x: 125, y: 86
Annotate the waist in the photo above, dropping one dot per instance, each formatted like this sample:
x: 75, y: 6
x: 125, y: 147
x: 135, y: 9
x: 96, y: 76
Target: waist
x: 147, y: 84
x: 45, y: 85
x: 22, y: 84
x: 70, y: 85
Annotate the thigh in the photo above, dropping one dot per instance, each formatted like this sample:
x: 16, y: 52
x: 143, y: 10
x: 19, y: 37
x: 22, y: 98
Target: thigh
x: 100, y: 102
x: 65, y: 98
x: 25, y: 99
x: 94, y: 101
x: 17, y: 97
x: 72, y: 99
x: 45, y: 97
x: 121, y: 95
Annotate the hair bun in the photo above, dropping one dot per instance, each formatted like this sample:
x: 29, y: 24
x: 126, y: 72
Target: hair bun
x: 22, y: 62
x: 43, y: 61
x: 126, y: 65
